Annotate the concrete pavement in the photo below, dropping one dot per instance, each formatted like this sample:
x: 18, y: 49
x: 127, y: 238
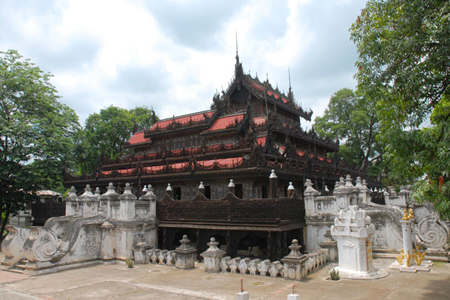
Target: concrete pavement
x: 116, y: 281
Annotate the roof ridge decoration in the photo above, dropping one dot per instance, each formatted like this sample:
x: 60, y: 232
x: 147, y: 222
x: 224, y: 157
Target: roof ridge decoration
x: 261, y: 90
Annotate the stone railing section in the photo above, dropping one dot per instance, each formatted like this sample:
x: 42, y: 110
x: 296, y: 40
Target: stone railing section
x: 294, y: 266
x: 161, y: 257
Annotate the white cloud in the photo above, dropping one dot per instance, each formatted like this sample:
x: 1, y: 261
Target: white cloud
x: 173, y: 55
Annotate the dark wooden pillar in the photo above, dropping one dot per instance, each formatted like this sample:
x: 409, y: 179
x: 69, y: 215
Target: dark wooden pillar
x: 278, y: 250
x: 270, y: 244
x: 231, y: 243
x: 284, y: 244
x: 166, y: 239
x: 199, y: 243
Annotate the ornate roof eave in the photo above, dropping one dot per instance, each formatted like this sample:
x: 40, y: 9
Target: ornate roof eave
x: 246, y: 81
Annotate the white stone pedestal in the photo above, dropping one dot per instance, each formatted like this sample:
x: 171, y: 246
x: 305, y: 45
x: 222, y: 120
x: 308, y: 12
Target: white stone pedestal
x: 185, y: 258
x: 293, y: 297
x: 243, y: 296
x: 212, y: 257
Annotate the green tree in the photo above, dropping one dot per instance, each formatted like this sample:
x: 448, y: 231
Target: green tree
x: 351, y: 117
x: 106, y: 132
x: 404, y: 62
x: 36, y: 133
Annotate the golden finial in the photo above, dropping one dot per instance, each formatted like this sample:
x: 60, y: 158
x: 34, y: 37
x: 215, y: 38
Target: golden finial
x: 411, y: 214
x: 405, y: 214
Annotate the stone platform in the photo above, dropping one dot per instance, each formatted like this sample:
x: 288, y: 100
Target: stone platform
x: 116, y: 281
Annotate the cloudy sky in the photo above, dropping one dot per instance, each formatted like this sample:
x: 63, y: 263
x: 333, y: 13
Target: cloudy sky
x: 173, y: 55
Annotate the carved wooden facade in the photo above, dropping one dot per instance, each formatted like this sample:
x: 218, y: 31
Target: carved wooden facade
x: 250, y: 129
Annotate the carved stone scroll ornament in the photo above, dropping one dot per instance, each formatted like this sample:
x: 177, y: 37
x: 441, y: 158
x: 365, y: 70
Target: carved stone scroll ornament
x: 12, y: 245
x: 433, y: 232
x: 41, y: 245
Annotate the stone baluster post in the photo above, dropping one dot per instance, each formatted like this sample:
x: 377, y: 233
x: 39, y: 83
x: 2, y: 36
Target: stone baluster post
x: 71, y: 202
x: 107, y: 242
x: 294, y: 262
x: 127, y: 204
x: 212, y: 257
x: 331, y: 246
x: 140, y: 251
x: 89, y: 203
x: 185, y: 255
x: 310, y: 195
x: 273, y: 184
x: 107, y: 198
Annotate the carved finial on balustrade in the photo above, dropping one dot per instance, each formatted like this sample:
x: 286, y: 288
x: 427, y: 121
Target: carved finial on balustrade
x: 364, y: 185
x: 231, y: 187
x: 309, y: 186
x: 295, y: 249
x: 213, y: 244
x: 72, y: 194
x: 169, y: 191
x: 87, y: 191
x: 127, y: 189
x: 348, y: 181
x: 358, y: 182
x: 341, y: 182
x: 273, y: 184
x: 144, y: 190
x: 97, y: 192
x: 201, y: 188
x: 150, y: 190
x: 272, y: 174
x: 184, y: 243
x: 290, y: 190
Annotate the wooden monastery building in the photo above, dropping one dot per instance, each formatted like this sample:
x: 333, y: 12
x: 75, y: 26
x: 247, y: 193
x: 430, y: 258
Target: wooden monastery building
x: 251, y: 129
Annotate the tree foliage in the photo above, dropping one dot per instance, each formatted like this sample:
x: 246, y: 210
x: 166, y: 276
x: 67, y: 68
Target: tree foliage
x: 404, y: 62
x: 351, y: 117
x: 36, y: 133
x: 106, y: 132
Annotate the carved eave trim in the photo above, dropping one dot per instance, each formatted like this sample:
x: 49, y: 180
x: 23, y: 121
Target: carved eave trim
x: 176, y: 131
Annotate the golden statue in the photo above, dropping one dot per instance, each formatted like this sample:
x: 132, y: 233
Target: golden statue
x: 400, y: 257
x: 408, y: 258
x: 418, y: 256
x: 411, y: 214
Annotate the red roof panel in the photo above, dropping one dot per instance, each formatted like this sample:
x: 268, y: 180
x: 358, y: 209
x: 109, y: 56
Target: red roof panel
x: 224, y: 122
x: 137, y: 138
x: 195, y: 118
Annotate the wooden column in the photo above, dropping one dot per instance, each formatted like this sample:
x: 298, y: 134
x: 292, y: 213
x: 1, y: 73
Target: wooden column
x: 166, y: 239
x: 231, y: 243
x: 270, y: 241
x: 199, y: 244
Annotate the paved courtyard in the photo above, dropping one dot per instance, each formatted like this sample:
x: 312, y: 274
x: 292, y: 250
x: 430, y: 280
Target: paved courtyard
x: 116, y: 281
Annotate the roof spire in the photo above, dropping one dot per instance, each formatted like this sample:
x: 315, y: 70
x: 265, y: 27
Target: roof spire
x: 290, y: 93
x: 289, y: 74
x: 237, y: 50
x: 238, y: 71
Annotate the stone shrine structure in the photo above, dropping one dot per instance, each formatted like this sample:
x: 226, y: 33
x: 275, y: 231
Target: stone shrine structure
x: 353, y: 231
